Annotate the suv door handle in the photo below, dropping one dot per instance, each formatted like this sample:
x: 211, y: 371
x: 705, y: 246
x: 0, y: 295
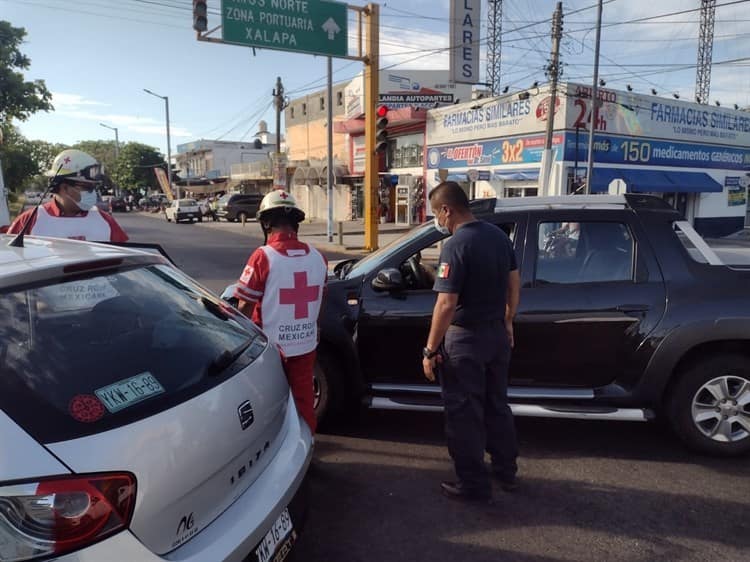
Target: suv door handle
x: 633, y: 308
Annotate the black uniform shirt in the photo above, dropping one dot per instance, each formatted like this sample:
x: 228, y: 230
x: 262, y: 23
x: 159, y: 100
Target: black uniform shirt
x: 475, y: 263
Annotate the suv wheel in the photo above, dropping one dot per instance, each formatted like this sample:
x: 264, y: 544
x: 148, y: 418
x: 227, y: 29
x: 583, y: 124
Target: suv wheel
x: 327, y: 389
x: 710, y: 405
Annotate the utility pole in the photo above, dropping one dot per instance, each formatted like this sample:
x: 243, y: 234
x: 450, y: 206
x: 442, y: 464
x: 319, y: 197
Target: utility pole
x: 331, y: 171
x: 279, y: 161
x: 595, y: 101
x: 553, y: 70
x: 278, y: 101
x: 176, y: 190
x: 705, y: 51
x: 494, y: 44
x: 372, y: 87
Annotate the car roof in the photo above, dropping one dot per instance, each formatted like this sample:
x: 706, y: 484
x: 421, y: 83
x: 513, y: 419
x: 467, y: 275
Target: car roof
x: 41, y: 259
x: 632, y: 202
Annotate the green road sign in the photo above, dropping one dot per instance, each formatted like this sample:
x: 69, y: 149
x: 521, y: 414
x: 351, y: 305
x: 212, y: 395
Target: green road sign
x: 305, y: 26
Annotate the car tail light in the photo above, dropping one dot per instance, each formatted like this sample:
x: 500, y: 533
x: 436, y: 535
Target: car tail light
x: 53, y: 516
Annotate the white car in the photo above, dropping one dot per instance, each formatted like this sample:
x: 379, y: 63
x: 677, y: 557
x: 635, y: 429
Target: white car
x: 183, y: 209
x: 141, y: 418
x: 32, y: 197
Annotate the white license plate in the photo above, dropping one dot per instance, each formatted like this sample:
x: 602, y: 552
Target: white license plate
x: 280, y: 538
x: 130, y: 391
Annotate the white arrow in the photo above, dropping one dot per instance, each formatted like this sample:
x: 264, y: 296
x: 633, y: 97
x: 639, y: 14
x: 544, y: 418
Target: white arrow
x: 331, y: 28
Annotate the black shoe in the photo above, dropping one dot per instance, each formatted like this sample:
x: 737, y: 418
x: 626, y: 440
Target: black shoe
x: 506, y: 484
x: 457, y: 491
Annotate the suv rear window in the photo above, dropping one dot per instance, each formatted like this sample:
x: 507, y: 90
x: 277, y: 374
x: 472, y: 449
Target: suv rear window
x: 87, y: 355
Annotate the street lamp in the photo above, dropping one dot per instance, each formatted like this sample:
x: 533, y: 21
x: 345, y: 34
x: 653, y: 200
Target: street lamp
x: 169, y: 148
x: 117, y: 139
x: 117, y: 148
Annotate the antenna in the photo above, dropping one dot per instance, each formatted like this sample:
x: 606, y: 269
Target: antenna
x: 17, y: 242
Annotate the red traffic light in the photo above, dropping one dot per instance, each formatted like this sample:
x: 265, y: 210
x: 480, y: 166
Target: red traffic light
x: 382, y: 110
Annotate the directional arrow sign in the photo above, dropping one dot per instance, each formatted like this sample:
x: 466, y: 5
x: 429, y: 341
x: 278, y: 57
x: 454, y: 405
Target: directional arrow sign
x: 332, y: 28
x: 305, y: 26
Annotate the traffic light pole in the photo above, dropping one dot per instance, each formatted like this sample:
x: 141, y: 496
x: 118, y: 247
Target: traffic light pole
x: 371, y: 86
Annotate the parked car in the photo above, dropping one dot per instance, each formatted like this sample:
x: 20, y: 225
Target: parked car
x: 102, y: 202
x: 238, y: 207
x: 631, y: 318
x: 141, y: 418
x: 118, y: 205
x: 32, y: 197
x: 183, y: 209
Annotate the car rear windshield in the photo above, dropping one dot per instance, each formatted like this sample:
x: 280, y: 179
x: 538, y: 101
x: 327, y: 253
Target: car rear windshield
x: 85, y: 355
x: 187, y: 203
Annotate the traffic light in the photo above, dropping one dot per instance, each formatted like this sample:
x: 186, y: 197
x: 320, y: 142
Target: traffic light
x: 200, y: 15
x: 381, y: 134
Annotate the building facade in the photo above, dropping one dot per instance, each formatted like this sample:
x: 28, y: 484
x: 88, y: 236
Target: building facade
x: 214, y: 159
x: 695, y: 156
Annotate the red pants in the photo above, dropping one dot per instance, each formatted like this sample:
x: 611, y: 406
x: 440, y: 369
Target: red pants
x: 299, y: 373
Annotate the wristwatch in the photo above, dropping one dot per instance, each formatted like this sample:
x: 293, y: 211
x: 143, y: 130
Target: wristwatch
x: 427, y: 353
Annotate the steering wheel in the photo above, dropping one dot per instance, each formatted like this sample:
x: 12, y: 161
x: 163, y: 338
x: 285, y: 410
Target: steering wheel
x: 416, y: 270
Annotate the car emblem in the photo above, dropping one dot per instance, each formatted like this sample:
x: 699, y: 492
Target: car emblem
x: 245, y: 411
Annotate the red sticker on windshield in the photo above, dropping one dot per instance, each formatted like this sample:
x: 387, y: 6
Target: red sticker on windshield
x: 86, y: 408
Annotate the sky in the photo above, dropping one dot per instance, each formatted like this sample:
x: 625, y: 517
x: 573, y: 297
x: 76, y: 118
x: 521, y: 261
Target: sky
x: 97, y: 56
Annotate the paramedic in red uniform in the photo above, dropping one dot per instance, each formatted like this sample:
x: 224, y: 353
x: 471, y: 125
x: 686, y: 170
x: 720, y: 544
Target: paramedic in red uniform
x: 72, y: 212
x: 281, y: 290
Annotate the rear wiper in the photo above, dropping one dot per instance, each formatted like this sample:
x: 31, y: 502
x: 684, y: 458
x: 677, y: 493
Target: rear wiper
x: 227, y: 357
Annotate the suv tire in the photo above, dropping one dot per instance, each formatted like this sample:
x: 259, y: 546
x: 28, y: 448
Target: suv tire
x: 327, y: 385
x: 709, y: 398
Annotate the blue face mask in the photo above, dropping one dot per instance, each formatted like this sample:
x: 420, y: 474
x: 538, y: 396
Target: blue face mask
x: 88, y: 200
x: 439, y: 227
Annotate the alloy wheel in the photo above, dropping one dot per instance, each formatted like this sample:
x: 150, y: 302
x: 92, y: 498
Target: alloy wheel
x: 721, y: 409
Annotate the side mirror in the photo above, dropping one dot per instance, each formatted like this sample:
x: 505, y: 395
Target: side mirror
x: 389, y: 279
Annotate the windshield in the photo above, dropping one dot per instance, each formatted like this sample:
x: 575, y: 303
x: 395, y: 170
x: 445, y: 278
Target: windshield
x: 86, y: 355
x: 367, y: 264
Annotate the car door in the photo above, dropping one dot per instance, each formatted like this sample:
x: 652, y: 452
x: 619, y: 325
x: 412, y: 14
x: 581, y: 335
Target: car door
x: 591, y: 292
x: 393, y: 326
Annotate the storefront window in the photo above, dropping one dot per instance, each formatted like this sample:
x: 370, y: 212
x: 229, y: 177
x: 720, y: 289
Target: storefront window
x: 408, y: 151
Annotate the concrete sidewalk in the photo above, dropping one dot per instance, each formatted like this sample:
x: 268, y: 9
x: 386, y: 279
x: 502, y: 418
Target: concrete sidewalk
x: 314, y: 232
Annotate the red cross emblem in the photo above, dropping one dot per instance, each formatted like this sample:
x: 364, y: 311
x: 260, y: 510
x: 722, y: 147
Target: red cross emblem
x: 284, y: 195
x: 300, y: 295
x: 66, y: 160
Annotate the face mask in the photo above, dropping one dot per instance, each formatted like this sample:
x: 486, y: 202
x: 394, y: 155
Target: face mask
x: 88, y: 200
x: 440, y: 228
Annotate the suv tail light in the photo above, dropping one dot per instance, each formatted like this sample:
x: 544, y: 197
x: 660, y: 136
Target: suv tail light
x: 53, y: 516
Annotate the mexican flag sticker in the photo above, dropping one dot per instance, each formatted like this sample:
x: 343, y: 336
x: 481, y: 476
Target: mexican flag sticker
x: 444, y: 271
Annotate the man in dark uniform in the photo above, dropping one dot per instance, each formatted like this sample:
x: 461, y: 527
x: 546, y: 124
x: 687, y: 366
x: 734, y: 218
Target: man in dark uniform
x: 470, y: 343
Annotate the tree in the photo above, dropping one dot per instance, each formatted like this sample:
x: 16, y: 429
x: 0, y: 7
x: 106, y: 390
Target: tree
x: 136, y: 164
x: 19, y: 98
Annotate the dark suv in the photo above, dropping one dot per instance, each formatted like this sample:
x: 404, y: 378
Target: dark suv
x: 626, y: 314
x: 238, y: 206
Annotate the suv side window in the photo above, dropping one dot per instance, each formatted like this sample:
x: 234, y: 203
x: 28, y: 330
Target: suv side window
x: 584, y: 252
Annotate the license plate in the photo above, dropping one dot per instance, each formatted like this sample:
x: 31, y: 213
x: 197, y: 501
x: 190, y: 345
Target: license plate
x: 127, y: 392
x: 278, y: 541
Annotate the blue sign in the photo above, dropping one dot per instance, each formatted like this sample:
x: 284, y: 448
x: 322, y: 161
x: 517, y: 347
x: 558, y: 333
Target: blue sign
x: 650, y: 152
x: 498, y: 152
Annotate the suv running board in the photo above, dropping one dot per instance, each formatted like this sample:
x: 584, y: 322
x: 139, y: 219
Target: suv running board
x: 531, y: 410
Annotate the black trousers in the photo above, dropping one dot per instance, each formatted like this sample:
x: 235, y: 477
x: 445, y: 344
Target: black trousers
x: 474, y: 383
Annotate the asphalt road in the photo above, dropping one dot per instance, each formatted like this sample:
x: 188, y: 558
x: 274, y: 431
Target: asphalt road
x: 591, y: 490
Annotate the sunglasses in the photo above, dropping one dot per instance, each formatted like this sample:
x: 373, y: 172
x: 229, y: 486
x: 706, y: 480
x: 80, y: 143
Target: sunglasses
x: 83, y: 186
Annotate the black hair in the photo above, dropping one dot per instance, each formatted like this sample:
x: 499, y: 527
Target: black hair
x: 450, y: 193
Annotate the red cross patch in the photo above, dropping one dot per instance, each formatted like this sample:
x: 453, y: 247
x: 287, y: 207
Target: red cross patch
x: 301, y: 295
x: 247, y: 273
x: 284, y: 195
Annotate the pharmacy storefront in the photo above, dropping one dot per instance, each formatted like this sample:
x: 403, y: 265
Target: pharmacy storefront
x: 492, y: 147
x: 696, y: 157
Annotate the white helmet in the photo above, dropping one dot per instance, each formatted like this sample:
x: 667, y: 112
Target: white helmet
x: 75, y: 165
x: 282, y: 201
